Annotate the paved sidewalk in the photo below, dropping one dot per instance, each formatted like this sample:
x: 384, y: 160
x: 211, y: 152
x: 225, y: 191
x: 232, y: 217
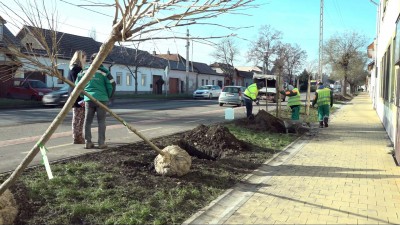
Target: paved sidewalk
x: 345, y: 174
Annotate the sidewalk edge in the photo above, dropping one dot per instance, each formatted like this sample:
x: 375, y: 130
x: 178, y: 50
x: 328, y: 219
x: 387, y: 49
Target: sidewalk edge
x: 292, y: 149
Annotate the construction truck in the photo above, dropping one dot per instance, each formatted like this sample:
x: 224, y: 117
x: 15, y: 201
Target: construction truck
x: 268, y: 91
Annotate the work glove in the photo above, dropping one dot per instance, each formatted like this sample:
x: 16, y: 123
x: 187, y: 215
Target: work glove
x: 257, y: 102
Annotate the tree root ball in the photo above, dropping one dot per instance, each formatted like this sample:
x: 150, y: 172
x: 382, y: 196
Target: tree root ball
x: 176, y: 162
x: 8, y: 208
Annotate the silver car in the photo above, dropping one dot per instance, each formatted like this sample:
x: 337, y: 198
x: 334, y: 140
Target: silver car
x: 56, y: 98
x: 207, y: 91
x: 232, y: 95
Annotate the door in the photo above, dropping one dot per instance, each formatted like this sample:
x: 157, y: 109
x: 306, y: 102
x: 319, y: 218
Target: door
x: 157, y: 85
x: 173, y: 85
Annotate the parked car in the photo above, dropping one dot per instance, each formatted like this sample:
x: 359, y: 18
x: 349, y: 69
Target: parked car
x: 55, y: 98
x: 207, y: 91
x: 28, y: 89
x: 232, y: 95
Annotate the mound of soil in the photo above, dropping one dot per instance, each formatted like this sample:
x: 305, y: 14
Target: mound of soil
x: 263, y: 121
x: 211, y: 142
x: 340, y: 97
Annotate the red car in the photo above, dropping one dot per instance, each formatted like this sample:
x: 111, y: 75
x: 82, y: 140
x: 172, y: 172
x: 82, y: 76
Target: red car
x: 28, y: 89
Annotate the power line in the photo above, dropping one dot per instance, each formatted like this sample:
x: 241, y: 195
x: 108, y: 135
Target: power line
x: 80, y: 6
x: 4, y: 12
x: 339, y: 12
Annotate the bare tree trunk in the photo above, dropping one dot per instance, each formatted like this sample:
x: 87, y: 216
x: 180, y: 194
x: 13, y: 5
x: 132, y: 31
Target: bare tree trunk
x: 134, y: 76
x: 344, y: 86
x: 278, y: 95
x: 308, y: 100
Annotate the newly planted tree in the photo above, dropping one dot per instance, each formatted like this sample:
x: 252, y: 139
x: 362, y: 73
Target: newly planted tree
x: 132, y: 19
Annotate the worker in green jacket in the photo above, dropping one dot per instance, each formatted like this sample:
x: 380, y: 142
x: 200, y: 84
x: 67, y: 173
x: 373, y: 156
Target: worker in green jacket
x: 102, y: 88
x: 293, y: 101
x: 324, y: 100
x: 250, y: 96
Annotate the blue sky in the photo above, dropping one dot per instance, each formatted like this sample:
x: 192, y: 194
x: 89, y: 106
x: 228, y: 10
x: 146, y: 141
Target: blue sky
x: 298, y: 20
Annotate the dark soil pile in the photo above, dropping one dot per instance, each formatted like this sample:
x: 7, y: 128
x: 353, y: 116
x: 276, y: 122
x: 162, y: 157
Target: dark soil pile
x: 340, y: 97
x: 263, y: 121
x: 211, y: 142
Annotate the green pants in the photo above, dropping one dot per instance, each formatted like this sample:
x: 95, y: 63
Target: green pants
x: 323, y: 111
x: 295, y: 112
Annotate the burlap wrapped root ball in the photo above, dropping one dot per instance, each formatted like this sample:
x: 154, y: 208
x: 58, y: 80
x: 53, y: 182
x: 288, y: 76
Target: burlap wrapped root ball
x: 176, y: 161
x: 8, y: 208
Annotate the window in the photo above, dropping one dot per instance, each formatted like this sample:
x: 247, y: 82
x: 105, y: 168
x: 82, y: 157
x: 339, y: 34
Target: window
x: 391, y: 73
x: 1, y: 31
x: 397, y: 43
x: 29, y: 46
x: 386, y: 74
x: 128, y: 79
x: 213, y: 82
x: 59, y: 81
x: 143, y: 80
x: 119, y: 78
x: 206, y: 82
x: 202, y: 82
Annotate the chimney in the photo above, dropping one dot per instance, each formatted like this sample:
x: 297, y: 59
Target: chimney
x: 168, y: 52
x: 154, y: 52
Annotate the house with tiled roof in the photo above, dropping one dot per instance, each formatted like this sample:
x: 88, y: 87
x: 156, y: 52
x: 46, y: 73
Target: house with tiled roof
x: 135, y: 71
x: 247, y: 77
x: 199, y: 74
x: 62, y: 44
x: 234, y: 79
x: 9, y: 64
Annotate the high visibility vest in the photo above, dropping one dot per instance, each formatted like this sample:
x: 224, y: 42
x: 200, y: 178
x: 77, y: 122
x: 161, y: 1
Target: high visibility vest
x: 252, y: 91
x: 324, y: 96
x: 294, y: 100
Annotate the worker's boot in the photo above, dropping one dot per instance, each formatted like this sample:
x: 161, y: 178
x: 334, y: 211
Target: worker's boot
x: 326, y: 121
x: 321, y: 124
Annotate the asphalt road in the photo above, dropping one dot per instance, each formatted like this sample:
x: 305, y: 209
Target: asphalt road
x: 22, y: 128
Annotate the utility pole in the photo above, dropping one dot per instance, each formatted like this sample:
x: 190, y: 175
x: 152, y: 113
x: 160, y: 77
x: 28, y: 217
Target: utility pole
x: 321, y: 38
x: 187, y: 61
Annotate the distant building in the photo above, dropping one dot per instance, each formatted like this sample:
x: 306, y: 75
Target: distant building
x: 9, y: 64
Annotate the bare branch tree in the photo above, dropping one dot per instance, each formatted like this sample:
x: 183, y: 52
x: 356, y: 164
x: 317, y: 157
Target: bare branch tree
x: 341, y: 50
x: 132, y: 19
x: 265, y: 48
x: 293, y: 60
x: 226, y: 52
x: 356, y: 71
